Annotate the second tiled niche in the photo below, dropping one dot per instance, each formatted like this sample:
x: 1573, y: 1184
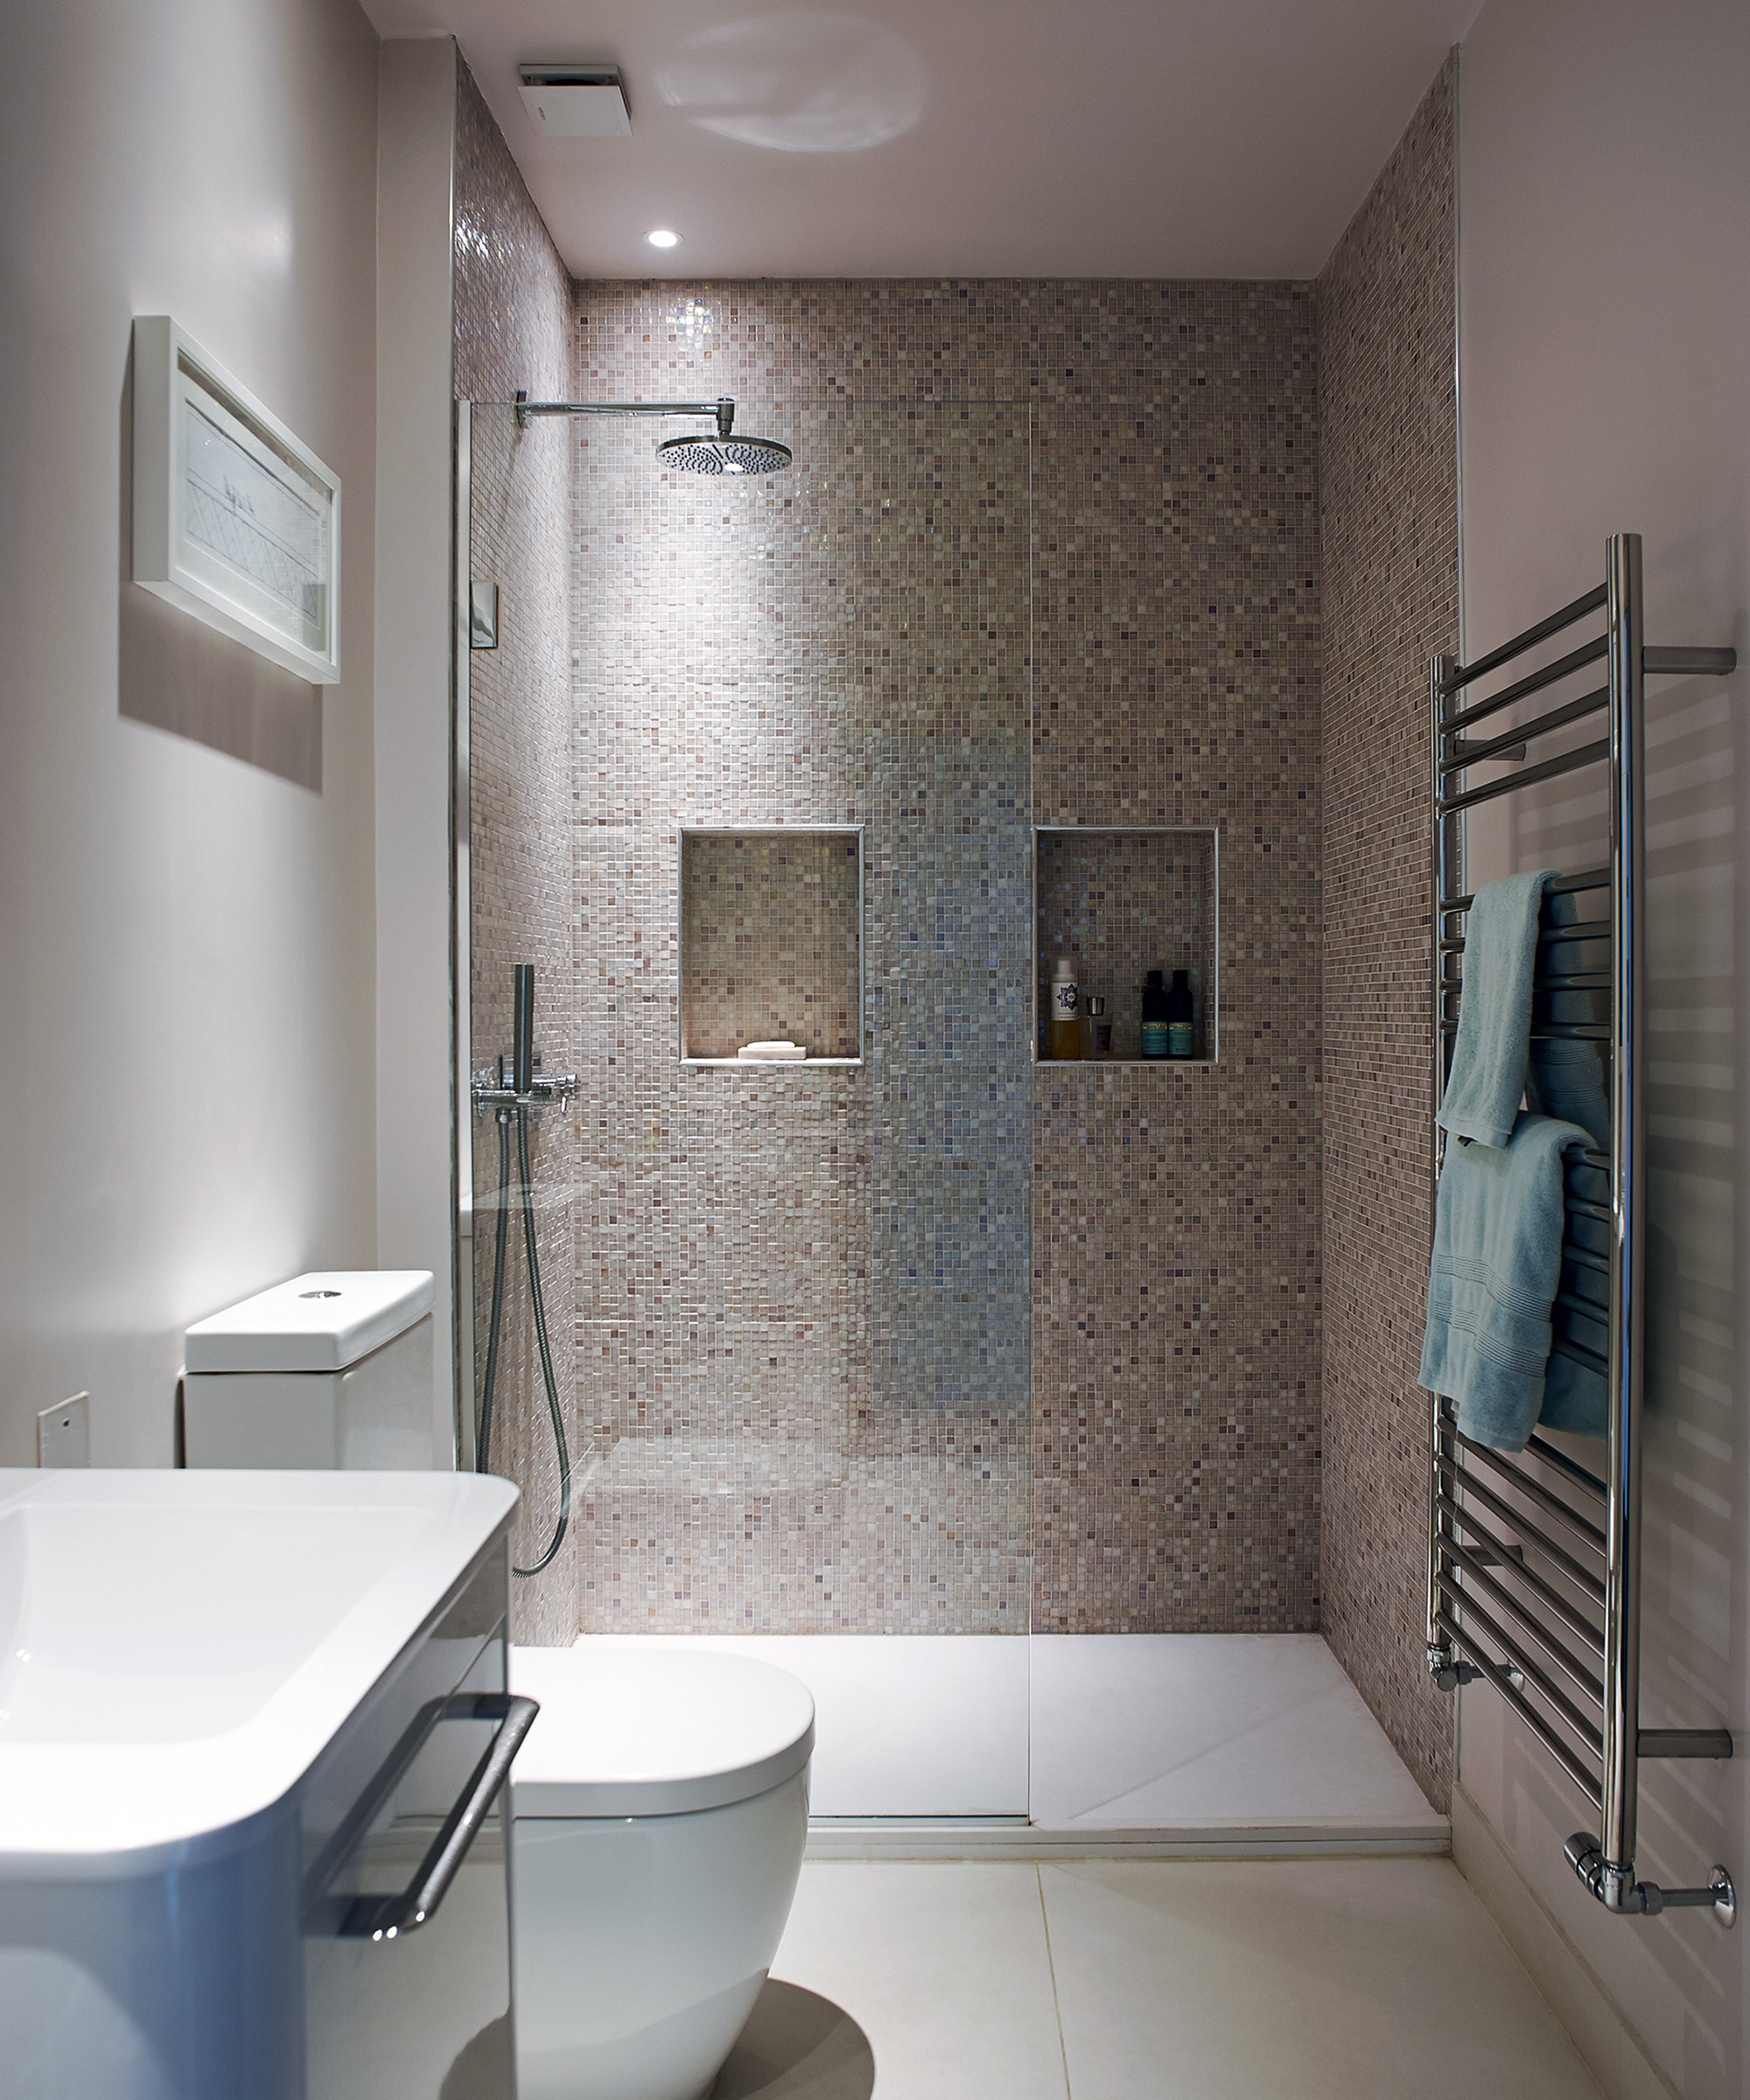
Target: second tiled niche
x: 771, y: 941
x: 1115, y: 903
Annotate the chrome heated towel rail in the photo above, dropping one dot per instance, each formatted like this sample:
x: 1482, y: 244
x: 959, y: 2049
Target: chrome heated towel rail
x: 1533, y: 1562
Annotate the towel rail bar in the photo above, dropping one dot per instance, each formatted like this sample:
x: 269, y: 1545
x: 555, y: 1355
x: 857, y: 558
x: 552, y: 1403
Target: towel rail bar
x: 1470, y: 1567
x: 1546, y: 769
x: 1589, y: 1308
x: 1512, y: 742
x: 1590, y: 1730
x: 1462, y: 673
x: 1590, y: 1733
x: 1576, y: 1475
x: 1548, y: 936
x: 1569, y: 1614
x: 1558, y: 1556
x: 1534, y: 681
x: 1546, y: 1498
x: 1579, y: 1208
x: 1555, y: 1031
x: 1450, y: 1629
x: 1564, y: 885
x: 1565, y: 1344
x: 1582, y: 929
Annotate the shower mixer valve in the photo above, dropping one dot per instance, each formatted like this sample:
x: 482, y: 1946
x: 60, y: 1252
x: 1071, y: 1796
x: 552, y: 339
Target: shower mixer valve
x: 491, y: 1088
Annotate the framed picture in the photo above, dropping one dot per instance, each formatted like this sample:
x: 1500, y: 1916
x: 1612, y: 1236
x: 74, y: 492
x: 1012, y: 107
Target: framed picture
x: 235, y: 520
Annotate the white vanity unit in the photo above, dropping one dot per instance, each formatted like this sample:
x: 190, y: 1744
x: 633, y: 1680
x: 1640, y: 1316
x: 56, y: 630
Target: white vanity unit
x: 253, y: 1730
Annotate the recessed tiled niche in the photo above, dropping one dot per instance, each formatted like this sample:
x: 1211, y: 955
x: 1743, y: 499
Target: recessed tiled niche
x: 771, y: 940
x: 1119, y: 903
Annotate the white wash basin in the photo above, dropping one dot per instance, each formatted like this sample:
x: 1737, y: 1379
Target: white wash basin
x: 234, y: 1708
x: 177, y: 1648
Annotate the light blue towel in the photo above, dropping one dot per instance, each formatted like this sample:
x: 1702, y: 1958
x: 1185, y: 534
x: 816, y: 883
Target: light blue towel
x: 1497, y: 1263
x: 1488, y: 1078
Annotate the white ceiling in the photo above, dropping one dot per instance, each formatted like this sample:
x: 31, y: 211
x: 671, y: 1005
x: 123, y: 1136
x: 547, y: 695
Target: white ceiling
x: 884, y: 138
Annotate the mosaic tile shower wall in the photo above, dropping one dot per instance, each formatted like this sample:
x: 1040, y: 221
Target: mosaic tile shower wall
x: 512, y: 299
x: 805, y: 1298
x: 1388, y: 508
x: 1176, y: 1321
x: 771, y: 937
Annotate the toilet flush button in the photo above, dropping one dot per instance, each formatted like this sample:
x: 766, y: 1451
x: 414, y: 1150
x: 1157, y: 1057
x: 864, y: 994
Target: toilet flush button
x: 318, y: 1294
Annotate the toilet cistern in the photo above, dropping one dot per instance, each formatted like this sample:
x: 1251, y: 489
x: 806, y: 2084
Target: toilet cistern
x: 332, y: 1370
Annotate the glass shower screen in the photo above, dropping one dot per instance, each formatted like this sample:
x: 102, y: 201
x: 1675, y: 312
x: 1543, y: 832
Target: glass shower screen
x: 750, y: 761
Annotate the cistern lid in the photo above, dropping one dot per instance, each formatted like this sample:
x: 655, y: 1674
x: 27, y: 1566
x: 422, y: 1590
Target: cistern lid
x: 626, y: 1731
x: 321, y: 1321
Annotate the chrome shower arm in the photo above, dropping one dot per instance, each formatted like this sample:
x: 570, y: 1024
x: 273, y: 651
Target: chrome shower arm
x: 723, y: 408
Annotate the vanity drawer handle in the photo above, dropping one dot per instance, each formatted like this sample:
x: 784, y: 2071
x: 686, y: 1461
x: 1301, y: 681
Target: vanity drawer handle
x: 388, y: 1917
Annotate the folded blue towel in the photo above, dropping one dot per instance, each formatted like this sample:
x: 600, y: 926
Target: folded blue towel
x: 1497, y: 1263
x: 1487, y: 1081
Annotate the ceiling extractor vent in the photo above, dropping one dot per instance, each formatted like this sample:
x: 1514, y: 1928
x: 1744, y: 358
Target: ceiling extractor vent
x: 569, y: 100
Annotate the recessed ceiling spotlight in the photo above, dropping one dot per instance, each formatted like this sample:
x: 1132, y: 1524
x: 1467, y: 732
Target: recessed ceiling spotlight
x: 663, y: 238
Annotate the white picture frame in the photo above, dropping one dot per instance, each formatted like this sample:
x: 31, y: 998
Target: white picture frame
x: 236, y: 520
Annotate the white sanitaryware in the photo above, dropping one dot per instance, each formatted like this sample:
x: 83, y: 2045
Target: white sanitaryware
x: 331, y: 1369
x: 230, y: 1706
x: 660, y: 1808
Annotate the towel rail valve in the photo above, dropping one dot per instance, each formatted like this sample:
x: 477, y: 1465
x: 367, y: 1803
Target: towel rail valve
x: 1617, y: 1890
x: 1448, y: 1673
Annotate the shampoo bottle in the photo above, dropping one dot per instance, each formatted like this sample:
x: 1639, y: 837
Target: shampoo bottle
x: 1154, y: 1016
x: 1066, y: 1022
x: 1181, y: 1034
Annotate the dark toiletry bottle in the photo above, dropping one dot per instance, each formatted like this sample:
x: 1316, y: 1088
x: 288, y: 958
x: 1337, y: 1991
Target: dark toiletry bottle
x: 1180, y: 1039
x: 1155, y: 1021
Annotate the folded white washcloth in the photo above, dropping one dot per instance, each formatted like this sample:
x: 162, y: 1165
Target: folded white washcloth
x: 775, y: 1053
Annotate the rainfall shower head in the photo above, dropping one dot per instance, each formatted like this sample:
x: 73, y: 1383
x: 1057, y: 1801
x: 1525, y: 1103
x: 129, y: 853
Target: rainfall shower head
x: 724, y: 454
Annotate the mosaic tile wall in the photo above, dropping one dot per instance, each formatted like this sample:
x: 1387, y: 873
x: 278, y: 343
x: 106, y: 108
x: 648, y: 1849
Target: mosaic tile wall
x: 802, y: 1294
x: 511, y: 293
x: 1119, y: 904
x: 1176, y: 1322
x: 771, y: 931
x: 512, y: 300
x: 805, y: 1299
x: 1388, y: 500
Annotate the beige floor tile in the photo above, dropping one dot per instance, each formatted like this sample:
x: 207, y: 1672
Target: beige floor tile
x: 943, y: 1967
x: 1360, y: 1979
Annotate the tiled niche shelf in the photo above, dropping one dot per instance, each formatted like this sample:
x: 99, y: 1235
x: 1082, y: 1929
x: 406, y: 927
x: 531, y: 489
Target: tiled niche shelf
x: 1120, y: 901
x: 771, y: 944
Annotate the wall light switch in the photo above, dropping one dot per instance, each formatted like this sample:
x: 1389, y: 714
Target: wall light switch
x: 64, y: 1432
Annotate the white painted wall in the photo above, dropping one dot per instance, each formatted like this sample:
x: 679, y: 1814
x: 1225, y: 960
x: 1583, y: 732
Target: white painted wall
x: 186, y: 948
x: 1605, y: 297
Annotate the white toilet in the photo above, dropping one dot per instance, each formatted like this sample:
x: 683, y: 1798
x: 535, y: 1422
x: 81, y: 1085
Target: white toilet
x: 661, y: 1807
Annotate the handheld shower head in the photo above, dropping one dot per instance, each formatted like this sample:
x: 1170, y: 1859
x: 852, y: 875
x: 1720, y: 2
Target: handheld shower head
x: 522, y: 1028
